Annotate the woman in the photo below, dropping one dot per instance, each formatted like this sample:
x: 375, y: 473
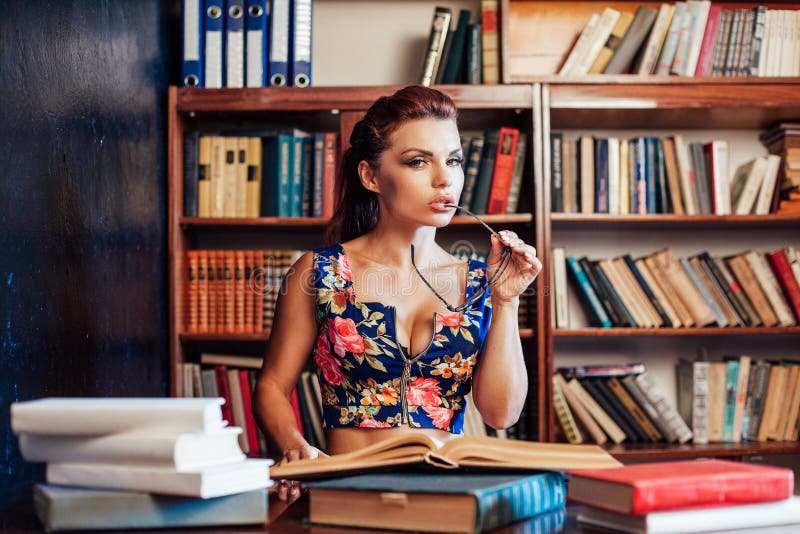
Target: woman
x: 376, y: 308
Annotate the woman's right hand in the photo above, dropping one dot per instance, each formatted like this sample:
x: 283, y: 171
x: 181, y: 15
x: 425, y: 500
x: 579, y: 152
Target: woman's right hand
x: 289, y: 490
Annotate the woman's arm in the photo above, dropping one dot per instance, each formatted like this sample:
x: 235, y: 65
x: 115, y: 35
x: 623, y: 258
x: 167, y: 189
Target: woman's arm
x: 290, y: 343
x: 500, y: 381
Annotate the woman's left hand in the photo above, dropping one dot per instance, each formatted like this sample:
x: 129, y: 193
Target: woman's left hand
x: 522, y: 270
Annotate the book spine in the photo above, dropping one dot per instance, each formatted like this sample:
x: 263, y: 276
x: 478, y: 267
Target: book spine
x: 716, y: 275
x: 588, y: 298
x: 516, y: 175
x: 700, y: 390
x: 490, y: 40
x: 636, y: 392
x: 564, y: 415
x: 530, y: 497
x: 503, y: 167
x: 556, y: 174
x: 731, y: 381
x: 440, y: 27
x: 760, y: 382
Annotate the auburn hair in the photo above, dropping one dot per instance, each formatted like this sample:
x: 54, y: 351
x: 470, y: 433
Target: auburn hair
x: 357, y: 210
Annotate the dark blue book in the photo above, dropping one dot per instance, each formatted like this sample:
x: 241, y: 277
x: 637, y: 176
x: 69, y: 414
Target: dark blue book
x: 317, y: 175
x: 638, y: 176
x: 556, y: 173
x: 474, y: 502
x: 307, y: 177
x: 663, y: 201
x: 586, y: 295
x: 483, y: 186
x: 625, y: 317
x: 276, y: 163
x: 651, y: 175
x: 647, y: 291
x: 191, y: 173
x: 601, y: 175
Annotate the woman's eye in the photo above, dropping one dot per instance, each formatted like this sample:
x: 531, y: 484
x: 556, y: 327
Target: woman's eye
x: 416, y: 162
x: 458, y: 160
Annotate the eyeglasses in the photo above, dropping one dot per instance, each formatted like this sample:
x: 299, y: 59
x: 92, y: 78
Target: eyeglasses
x: 505, y: 259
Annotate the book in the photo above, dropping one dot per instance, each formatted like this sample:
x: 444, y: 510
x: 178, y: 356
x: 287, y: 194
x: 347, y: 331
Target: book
x: 87, y: 416
x: 656, y: 486
x: 785, y: 512
x: 179, y: 451
x: 420, y: 449
x: 206, y: 482
x: 474, y: 502
x: 66, y: 508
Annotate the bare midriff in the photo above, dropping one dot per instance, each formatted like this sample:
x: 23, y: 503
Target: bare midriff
x: 340, y: 440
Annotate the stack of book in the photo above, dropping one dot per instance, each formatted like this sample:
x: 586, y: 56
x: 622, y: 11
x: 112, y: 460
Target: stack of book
x: 740, y: 399
x: 246, y: 43
x: 694, y: 38
x: 233, y: 291
x: 139, y: 462
x: 272, y: 172
x: 685, y: 496
x: 747, y: 289
x: 614, y: 402
x: 783, y: 141
x: 645, y: 175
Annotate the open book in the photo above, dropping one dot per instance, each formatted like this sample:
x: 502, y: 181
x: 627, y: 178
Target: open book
x: 420, y: 449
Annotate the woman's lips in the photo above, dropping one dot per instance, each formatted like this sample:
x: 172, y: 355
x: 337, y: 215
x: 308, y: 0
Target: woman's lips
x: 440, y: 206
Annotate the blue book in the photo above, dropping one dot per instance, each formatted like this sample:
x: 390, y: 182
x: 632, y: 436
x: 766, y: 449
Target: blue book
x: 650, y: 175
x: 318, y: 173
x: 71, y: 508
x: 192, y: 65
x: 586, y: 296
x: 307, y: 178
x: 663, y: 204
x: 276, y: 165
x: 731, y: 387
x: 638, y: 176
x: 601, y: 175
x: 191, y: 173
x: 701, y: 287
x: 256, y: 27
x: 474, y: 502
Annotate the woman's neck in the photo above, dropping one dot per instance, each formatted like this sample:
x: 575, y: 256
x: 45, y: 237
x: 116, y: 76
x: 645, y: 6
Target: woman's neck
x: 392, y: 242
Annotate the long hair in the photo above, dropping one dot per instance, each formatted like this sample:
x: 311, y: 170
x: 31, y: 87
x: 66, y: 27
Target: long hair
x: 357, y: 210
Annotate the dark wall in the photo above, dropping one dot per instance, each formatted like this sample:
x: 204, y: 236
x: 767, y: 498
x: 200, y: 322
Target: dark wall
x: 82, y: 207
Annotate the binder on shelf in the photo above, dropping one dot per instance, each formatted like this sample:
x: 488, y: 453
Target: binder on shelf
x: 300, y: 46
x: 212, y: 38
x: 234, y: 43
x: 279, y: 43
x: 192, y: 65
x: 256, y: 27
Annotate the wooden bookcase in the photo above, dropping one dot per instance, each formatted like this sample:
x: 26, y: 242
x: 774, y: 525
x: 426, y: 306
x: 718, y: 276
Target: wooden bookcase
x: 327, y: 109
x: 537, y: 37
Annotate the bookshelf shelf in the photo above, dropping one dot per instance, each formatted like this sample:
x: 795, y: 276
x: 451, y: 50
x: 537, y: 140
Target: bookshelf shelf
x: 662, y: 451
x: 708, y: 331
x: 695, y: 105
x: 257, y: 336
x: 249, y: 100
x: 569, y: 220
x: 214, y: 222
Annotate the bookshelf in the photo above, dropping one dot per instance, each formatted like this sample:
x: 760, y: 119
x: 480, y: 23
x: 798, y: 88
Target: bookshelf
x: 317, y: 109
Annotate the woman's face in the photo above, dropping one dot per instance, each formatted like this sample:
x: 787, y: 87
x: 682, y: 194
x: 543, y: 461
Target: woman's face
x: 421, y: 171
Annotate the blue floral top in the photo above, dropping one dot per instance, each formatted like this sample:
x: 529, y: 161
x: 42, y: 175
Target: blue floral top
x: 368, y: 379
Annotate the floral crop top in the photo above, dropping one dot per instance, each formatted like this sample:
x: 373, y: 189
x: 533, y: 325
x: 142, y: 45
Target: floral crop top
x: 368, y: 379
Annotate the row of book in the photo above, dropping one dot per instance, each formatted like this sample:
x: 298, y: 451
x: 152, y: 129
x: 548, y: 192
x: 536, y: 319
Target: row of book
x: 694, y: 38
x: 233, y: 291
x: 703, y: 495
x: 747, y: 289
x: 139, y: 463
x: 246, y: 43
x: 494, y: 162
x: 658, y: 175
x: 617, y: 403
x: 454, y: 55
x: 279, y: 172
x: 739, y: 399
x: 783, y: 140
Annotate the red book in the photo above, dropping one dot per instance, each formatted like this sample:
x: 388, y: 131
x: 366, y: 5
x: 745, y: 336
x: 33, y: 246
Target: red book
x: 649, y: 487
x: 503, y: 168
x: 783, y: 272
x: 224, y: 391
x: 709, y: 37
x: 247, y: 399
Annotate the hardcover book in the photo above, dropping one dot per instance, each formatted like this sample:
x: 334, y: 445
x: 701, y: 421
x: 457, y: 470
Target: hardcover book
x: 650, y: 487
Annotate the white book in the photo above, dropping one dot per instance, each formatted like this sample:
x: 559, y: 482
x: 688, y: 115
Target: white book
x: 212, y: 481
x: 743, y: 516
x: 580, y: 45
x: 682, y: 48
x: 764, y: 201
x: 700, y: 401
x: 178, y: 451
x: 560, y: 283
x: 765, y: 44
x: 696, y: 36
x: 87, y: 416
x: 596, y: 40
x: 719, y: 164
x: 231, y: 360
x: 686, y: 176
x: 65, y: 508
x: 671, y: 40
x: 746, y: 183
x: 613, y: 175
